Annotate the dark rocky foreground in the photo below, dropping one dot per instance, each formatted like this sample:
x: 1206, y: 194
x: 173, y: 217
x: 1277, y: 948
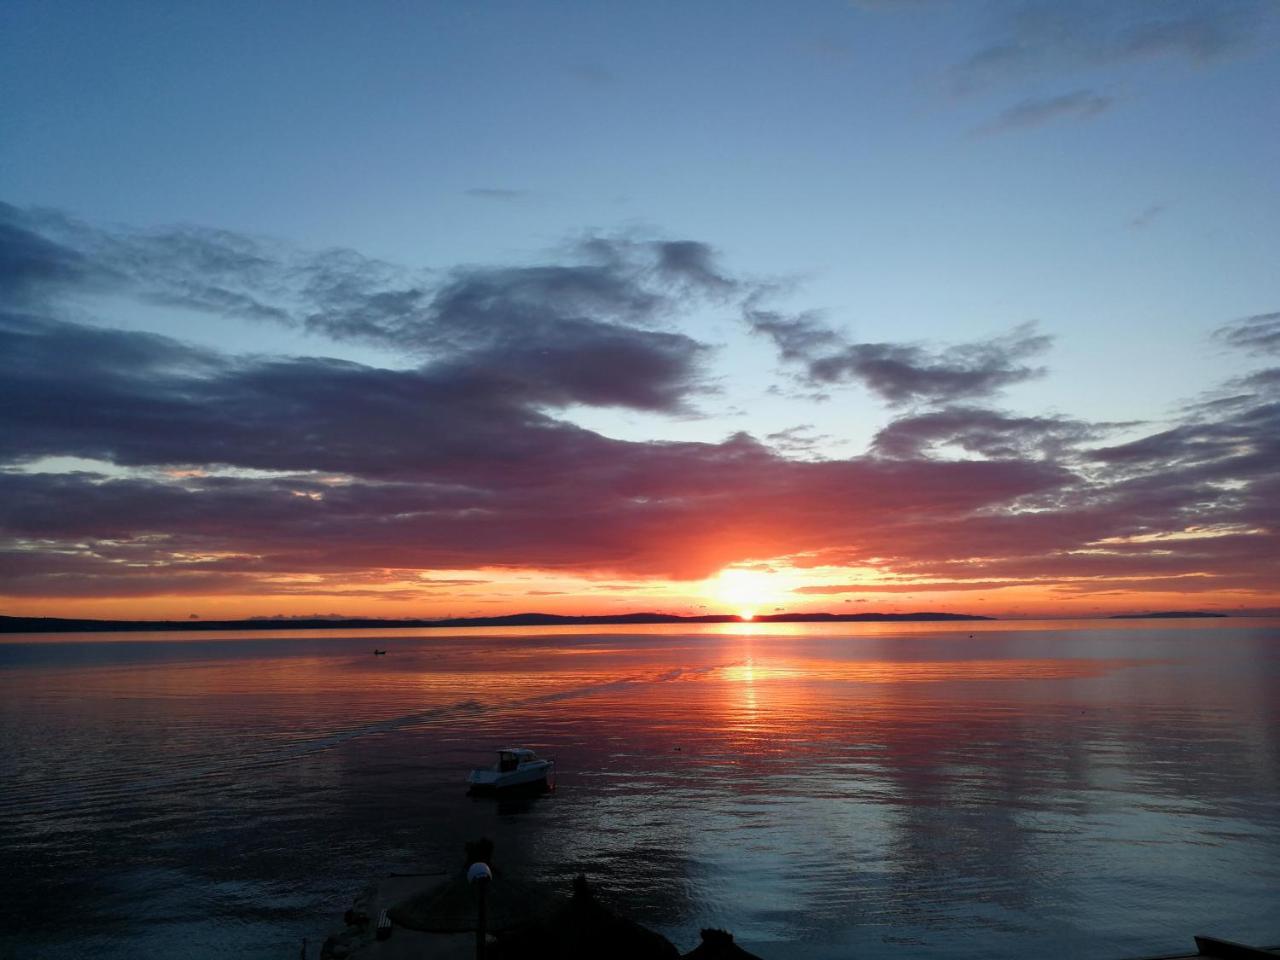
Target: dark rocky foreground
x: 576, y: 926
x: 436, y: 915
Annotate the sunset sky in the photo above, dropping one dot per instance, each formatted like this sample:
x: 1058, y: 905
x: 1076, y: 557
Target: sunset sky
x: 426, y: 309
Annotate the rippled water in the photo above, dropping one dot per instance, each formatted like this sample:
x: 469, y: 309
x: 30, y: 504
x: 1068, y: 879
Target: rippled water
x: 821, y: 790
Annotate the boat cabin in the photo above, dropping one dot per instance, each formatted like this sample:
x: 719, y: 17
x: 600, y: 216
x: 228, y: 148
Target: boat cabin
x: 512, y: 757
x: 516, y: 766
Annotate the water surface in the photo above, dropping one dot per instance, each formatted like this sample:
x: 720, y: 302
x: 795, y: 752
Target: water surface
x: 923, y: 790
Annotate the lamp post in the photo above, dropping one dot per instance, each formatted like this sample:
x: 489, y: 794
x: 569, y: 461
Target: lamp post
x: 480, y: 875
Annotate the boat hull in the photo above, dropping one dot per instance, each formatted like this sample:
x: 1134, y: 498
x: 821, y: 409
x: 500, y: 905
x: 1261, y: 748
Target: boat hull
x: 525, y: 775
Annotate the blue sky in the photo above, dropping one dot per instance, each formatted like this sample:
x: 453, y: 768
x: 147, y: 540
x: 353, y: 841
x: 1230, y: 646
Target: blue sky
x: 835, y: 143
x: 914, y: 172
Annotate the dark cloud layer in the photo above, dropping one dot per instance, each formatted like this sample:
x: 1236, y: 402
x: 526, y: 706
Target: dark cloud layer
x: 233, y: 474
x: 582, y: 332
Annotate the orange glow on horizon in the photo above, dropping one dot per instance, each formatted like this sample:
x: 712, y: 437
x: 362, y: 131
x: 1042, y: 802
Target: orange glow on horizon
x: 746, y: 593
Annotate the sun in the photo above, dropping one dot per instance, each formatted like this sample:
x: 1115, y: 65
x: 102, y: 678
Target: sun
x: 745, y: 591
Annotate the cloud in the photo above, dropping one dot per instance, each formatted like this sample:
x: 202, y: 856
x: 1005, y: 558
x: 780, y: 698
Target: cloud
x: 213, y: 271
x: 592, y: 504
x: 903, y: 373
x: 140, y: 399
x: 31, y: 265
x: 225, y: 473
x: 681, y: 510
x: 987, y: 432
x: 1197, y: 31
x: 1145, y: 216
x: 1265, y: 382
x: 1198, y: 501
x: 542, y: 494
x: 436, y: 468
x: 693, y: 265
x: 797, y: 337
x: 799, y: 440
x: 1259, y: 334
x: 1051, y: 38
x: 919, y: 586
x: 1036, y: 111
x: 578, y: 332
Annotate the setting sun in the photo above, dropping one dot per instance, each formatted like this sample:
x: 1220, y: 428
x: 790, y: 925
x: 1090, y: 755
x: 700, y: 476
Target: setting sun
x: 745, y: 590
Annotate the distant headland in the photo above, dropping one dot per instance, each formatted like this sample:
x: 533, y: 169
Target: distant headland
x: 1165, y: 615
x: 63, y: 625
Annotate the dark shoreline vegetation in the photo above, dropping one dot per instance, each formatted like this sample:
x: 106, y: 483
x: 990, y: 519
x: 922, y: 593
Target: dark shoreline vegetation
x: 64, y: 625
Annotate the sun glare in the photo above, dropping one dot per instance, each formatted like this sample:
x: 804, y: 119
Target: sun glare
x: 746, y: 592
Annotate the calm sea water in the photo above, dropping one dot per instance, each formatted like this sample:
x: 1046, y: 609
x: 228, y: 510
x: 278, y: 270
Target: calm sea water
x: 1076, y: 789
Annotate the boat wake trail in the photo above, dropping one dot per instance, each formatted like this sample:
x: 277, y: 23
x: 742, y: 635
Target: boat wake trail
x: 81, y: 794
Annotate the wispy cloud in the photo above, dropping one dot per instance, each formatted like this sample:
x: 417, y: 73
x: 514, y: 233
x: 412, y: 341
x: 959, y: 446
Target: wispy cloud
x: 1045, y: 38
x: 902, y: 373
x: 1259, y: 334
x: 988, y: 432
x: 1035, y: 111
x: 1147, y: 214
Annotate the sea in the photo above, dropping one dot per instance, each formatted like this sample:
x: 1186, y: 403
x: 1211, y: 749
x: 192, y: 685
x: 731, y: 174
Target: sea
x: 1102, y: 789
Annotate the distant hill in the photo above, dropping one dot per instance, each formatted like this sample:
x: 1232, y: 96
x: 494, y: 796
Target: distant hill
x: 1164, y: 615
x: 61, y: 625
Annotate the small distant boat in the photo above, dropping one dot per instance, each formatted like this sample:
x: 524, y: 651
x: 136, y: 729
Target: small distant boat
x: 379, y: 653
x: 516, y: 767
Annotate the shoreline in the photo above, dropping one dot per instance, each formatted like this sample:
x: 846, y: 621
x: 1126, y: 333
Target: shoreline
x: 74, y: 625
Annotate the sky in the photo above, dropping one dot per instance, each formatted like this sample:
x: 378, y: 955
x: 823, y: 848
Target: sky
x: 460, y: 309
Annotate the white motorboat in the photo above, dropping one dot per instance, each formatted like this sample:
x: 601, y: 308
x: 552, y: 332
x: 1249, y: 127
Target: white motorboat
x: 516, y: 767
